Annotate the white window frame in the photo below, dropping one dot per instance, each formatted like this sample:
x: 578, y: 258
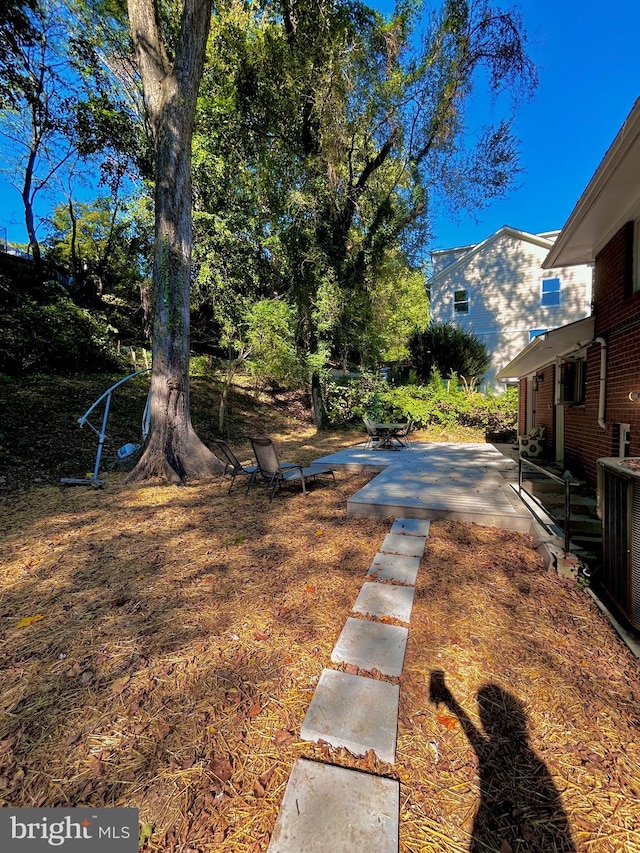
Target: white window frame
x: 464, y: 301
x: 578, y: 367
x: 544, y: 293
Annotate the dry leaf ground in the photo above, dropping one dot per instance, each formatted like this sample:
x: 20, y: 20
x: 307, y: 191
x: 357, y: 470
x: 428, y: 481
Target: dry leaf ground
x: 173, y: 637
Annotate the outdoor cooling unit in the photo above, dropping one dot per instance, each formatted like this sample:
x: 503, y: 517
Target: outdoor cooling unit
x: 619, y: 485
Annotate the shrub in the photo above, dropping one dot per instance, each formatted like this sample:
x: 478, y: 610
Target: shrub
x: 51, y: 335
x: 450, y: 350
x: 349, y: 400
x: 439, y: 403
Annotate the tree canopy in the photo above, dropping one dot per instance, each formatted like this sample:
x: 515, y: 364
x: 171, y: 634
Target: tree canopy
x: 311, y: 141
x: 327, y: 134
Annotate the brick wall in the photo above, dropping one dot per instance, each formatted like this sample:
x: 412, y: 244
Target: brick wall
x: 522, y: 406
x: 584, y: 440
x: 545, y: 414
x: 617, y: 320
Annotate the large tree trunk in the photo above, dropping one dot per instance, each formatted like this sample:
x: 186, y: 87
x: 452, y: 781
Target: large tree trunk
x: 173, y: 451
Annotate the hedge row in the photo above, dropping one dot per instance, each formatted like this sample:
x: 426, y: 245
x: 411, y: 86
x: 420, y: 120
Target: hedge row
x: 440, y: 403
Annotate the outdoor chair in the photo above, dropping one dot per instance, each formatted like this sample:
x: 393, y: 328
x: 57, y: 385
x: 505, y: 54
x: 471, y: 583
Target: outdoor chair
x: 232, y: 463
x: 277, y: 474
x: 373, y: 436
x: 405, y: 434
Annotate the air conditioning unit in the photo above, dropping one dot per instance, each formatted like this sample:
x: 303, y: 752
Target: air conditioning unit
x: 619, y: 490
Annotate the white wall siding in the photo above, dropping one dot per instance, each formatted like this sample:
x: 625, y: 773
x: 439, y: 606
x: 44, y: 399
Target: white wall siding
x: 503, y: 281
x: 444, y: 258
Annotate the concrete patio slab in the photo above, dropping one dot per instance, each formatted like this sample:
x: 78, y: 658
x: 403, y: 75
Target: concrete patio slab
x: 384, y: 599
x: 328, y: 809
x: 372, y: 645
x: 395, y: 567
x: 408, y: 546
x: 355, y: 712
x: 411, y: 526
x: 468, y: 482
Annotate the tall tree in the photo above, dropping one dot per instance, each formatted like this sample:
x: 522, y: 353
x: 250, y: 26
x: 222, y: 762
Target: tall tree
x: 16, y: 31
x: 170, y: 66
x: 105, y: 245
x: 36, y: 126
x: 353, y: 129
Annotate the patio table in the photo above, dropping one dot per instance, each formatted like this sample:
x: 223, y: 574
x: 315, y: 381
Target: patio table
x: 390, y: 436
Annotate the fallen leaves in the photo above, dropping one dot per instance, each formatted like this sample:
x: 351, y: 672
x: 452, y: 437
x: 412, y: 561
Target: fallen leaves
x: 29, y: 620
x: 222, y: 769
x: 283, y: 738
x: 119, y: 684
x: 447, y: 721
x: 194, y: 711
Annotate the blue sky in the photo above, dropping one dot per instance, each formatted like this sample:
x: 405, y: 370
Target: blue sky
x: 589, y: 77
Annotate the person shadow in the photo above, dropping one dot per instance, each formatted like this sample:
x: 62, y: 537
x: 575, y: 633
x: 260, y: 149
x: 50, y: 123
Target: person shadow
x: 519, y: 809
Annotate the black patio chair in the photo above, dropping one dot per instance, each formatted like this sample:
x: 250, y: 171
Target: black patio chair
x: 232, y: 463
x: 404, y: 434
x: 373, y: 436
x: 277, y: 474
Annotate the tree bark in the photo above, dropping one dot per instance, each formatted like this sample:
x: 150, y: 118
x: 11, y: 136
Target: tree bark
x: 173, y: 451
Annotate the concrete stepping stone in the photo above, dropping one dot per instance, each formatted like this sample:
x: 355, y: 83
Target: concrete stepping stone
x: 397, y: 543
x: 355, y: 712
x: 383, y: 599
x: 395, y: 567
x: 328, y: 809
x: 411, y: 526
x: 372, y: 645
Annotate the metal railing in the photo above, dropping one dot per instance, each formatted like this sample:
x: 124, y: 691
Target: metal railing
x: 565, y: 481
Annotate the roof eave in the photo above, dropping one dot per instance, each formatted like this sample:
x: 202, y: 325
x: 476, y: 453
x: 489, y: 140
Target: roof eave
x: 543, y: 242
x: 545, y: 349
x: 611, y: 198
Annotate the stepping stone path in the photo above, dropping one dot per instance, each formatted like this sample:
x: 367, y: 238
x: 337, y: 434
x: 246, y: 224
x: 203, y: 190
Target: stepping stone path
x: 394, y: 567
x: 331, y: 809
x: 385, y: 599
x: 372, y: 645
x: 322, y: 811
x: 341, y: 714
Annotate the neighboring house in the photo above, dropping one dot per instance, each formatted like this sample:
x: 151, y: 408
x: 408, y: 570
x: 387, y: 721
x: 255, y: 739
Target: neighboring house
x: 582, y: 382
x: 498, y: 290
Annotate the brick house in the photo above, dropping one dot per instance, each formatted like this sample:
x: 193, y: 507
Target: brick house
x: 498, y: 290
x: 581, y: 381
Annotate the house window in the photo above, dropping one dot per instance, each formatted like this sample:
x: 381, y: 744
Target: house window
x: 551, y: 295
x: 573, y: 382
x: 461, y: 302
x: 535, y: 333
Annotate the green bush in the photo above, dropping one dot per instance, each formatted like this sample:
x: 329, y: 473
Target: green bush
x: 439, y: 403
x: 347, y: 400
x: 51, y: 334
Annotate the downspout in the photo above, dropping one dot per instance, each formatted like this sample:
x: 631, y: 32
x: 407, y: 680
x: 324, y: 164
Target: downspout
x: 603, y: 382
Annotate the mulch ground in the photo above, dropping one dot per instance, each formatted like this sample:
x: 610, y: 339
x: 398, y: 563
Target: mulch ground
x: 161, y: 646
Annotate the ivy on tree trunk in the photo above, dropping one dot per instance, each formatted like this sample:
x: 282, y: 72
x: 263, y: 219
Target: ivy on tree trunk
x: 173, y: 451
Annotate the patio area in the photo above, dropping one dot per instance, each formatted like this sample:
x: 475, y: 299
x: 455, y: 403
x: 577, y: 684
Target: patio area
x: 462, y: 482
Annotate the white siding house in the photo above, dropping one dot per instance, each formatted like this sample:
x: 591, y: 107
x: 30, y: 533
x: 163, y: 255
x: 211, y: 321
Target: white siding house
x: 498, y: 290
